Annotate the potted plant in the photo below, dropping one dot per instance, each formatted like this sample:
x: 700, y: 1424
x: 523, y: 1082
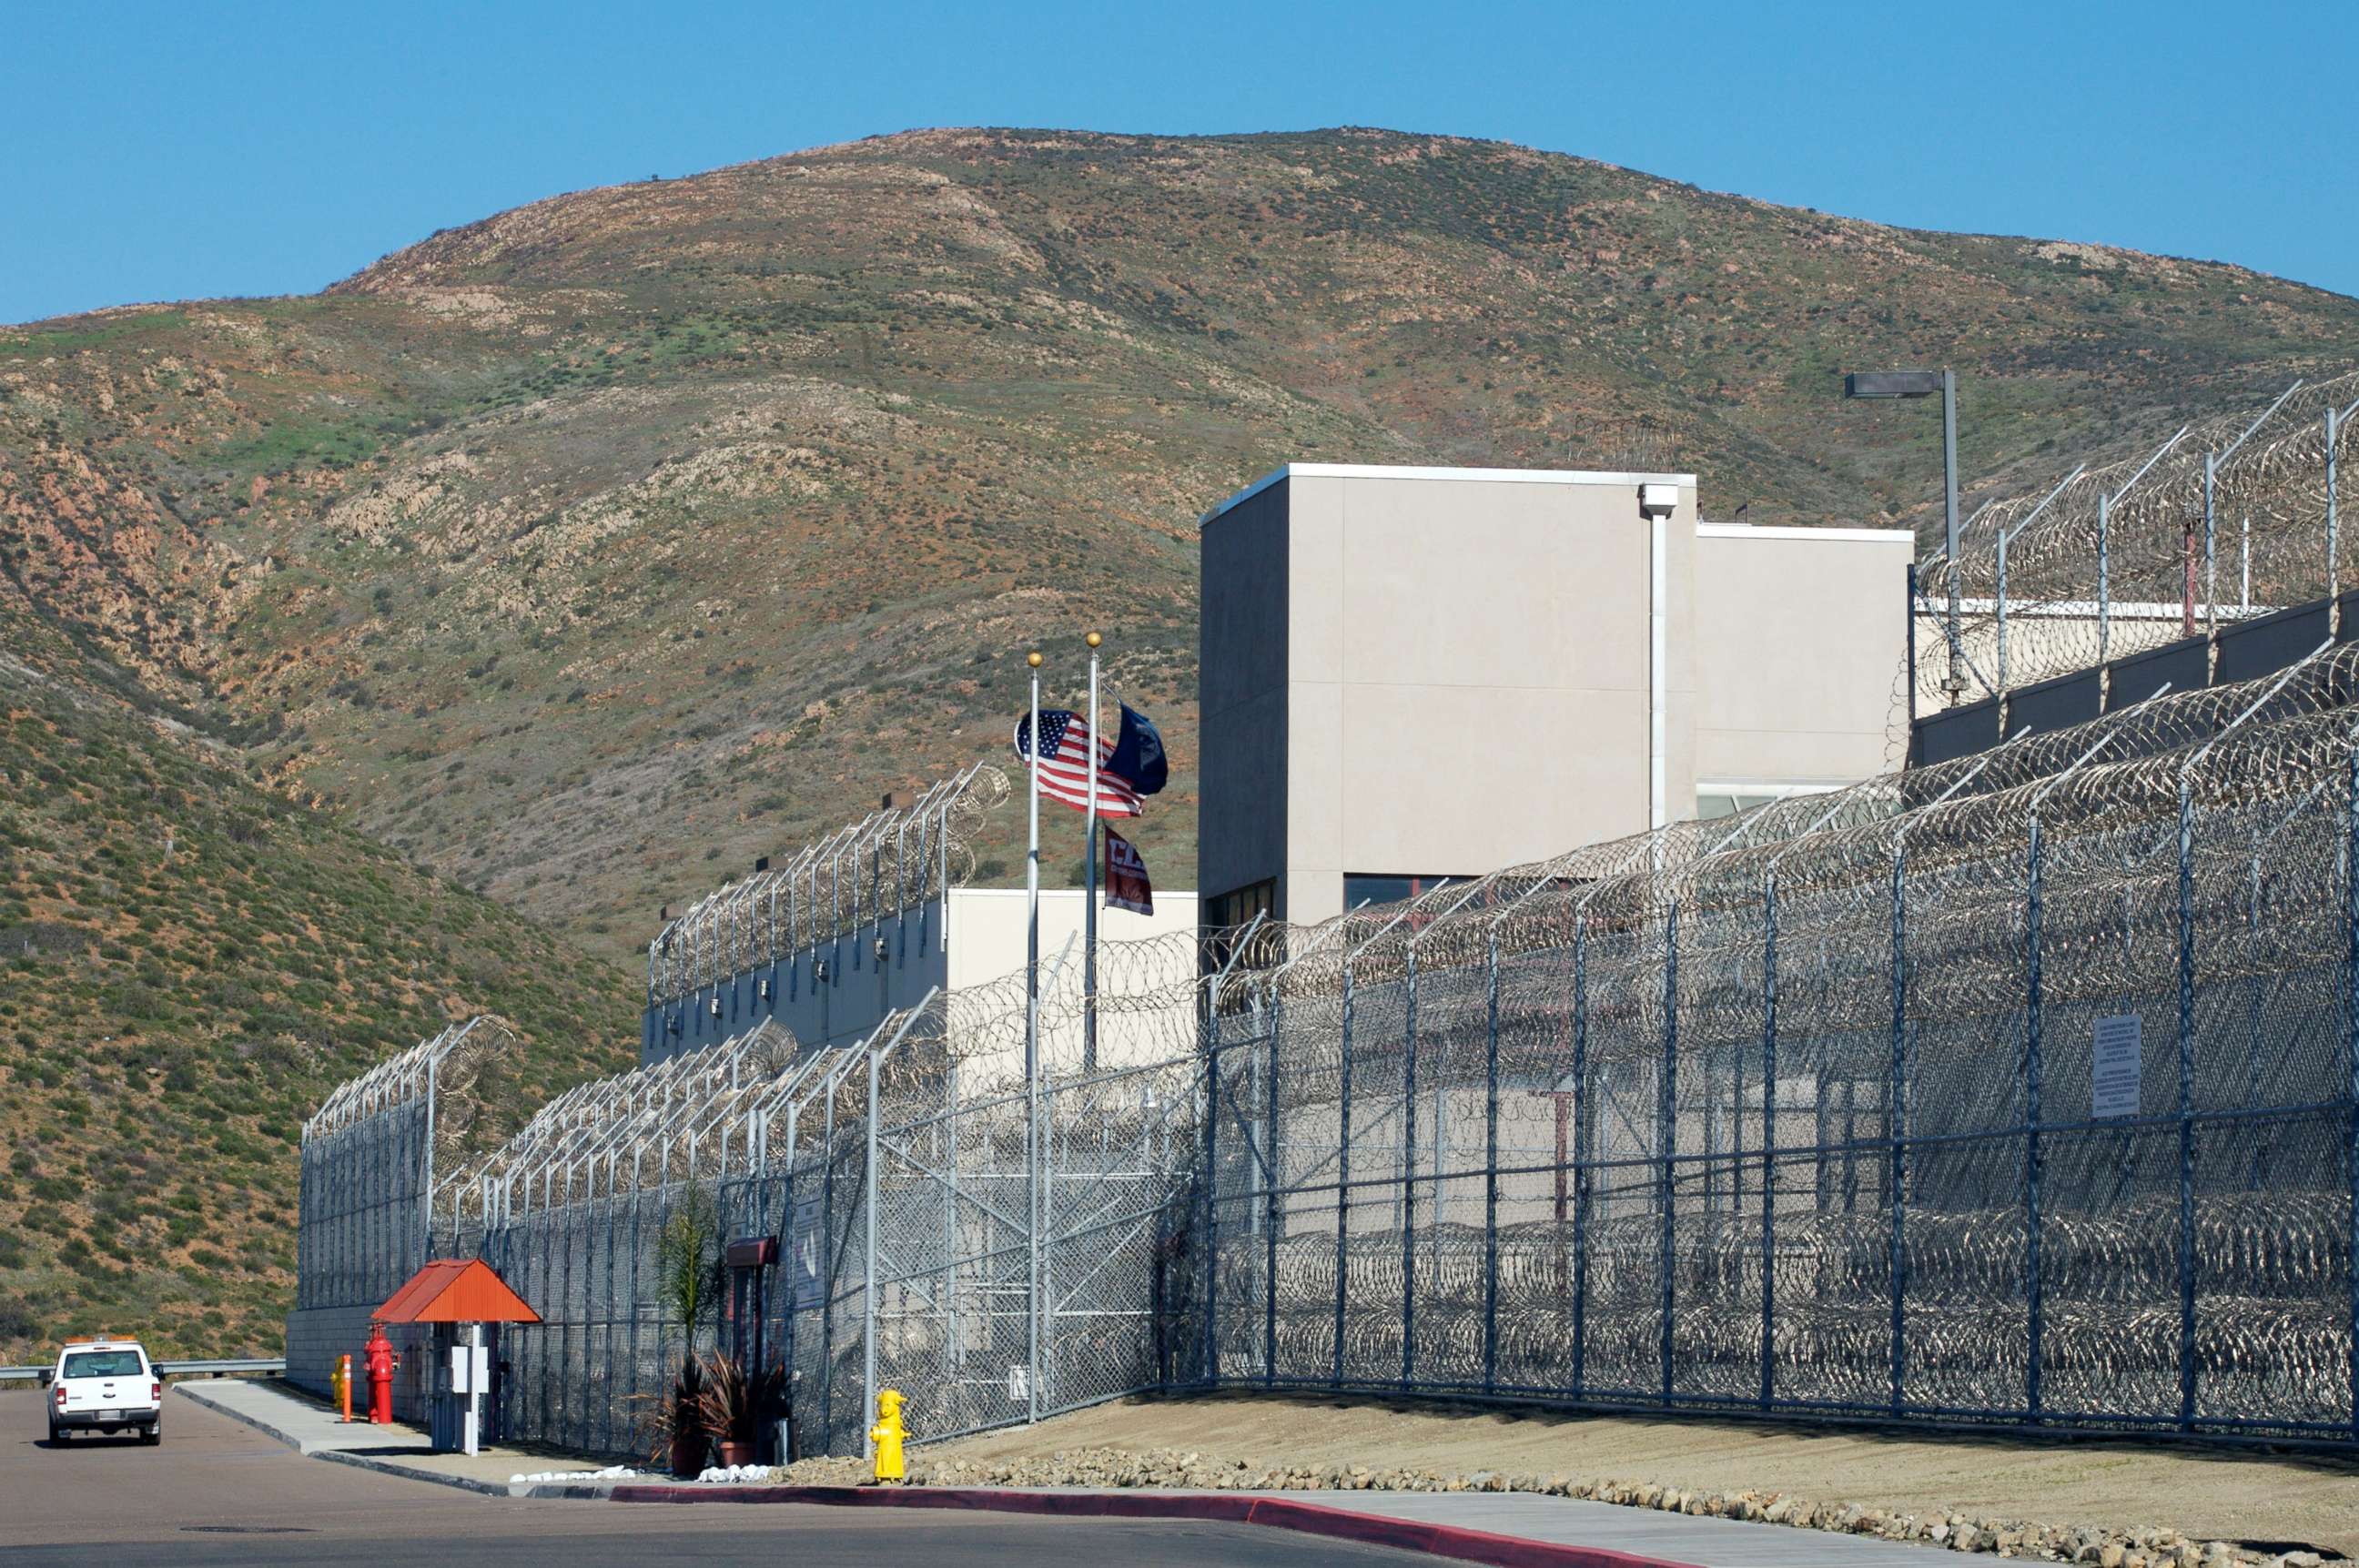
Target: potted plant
x: 739, y: 1404
x: 677, y: 1424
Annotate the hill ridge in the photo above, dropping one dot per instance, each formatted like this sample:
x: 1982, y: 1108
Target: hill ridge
x: 589, y: 550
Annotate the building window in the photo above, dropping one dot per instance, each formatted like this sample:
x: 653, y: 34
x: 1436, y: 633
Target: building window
x: 1230, y: 911
x: 1366, y: 888
x: 1227, y: 914
x: 1715, y: 801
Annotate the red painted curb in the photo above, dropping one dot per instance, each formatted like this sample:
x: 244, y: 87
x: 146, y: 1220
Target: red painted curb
x: 1311, y: 1519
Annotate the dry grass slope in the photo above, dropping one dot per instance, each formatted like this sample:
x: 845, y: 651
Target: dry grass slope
x: 187, y: 963
x: 592, y: 549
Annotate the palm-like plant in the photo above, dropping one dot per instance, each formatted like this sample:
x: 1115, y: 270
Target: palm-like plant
x: 738, y: 1401
x: 675, y: 1421
x: 689, y: 1280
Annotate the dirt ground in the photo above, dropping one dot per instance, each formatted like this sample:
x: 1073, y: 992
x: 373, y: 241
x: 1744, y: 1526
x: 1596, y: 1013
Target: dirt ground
x: 2296, y: 1499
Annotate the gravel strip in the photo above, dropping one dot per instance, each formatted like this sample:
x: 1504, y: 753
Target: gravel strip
x: 1172, y: 1470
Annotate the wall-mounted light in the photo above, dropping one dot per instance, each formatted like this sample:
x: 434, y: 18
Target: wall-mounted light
x: 1657, y: 500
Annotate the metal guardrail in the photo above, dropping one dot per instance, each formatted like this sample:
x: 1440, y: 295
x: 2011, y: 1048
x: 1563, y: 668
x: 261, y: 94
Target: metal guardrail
x: 166, y: 1368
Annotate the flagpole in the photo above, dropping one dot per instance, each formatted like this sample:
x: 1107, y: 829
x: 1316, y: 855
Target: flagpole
x: 1032, y: 1058
x: 1032, y: 886
x: 1090, y: 907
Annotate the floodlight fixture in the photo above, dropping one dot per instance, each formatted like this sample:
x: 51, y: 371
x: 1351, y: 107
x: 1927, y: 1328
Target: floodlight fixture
x: 1875, y: 384
x: 1878, y: 385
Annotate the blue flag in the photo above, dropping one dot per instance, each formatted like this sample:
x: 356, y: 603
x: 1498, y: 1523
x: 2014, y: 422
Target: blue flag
x: 1137, y: 759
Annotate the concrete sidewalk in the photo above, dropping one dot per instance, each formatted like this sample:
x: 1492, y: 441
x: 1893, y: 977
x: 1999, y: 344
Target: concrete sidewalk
x: 310, y: 1427
x: 1559, y: 1529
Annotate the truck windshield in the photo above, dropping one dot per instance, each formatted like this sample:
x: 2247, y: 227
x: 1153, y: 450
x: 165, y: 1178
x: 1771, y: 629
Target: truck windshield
x: 103, y: 1364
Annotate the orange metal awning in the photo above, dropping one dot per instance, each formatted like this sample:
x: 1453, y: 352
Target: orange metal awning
x: 456, y: 1289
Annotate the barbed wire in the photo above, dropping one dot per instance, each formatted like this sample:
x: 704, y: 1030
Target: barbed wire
x: 2227, y: 521
x: 894, y: 859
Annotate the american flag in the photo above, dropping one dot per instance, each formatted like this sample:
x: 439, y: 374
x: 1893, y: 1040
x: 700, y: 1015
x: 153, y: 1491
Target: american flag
x: 1065, y: 764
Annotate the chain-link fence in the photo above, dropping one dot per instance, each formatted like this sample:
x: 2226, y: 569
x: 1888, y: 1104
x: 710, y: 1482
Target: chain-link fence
x: 369, y: 1162
x: 897, y: 861
x: 2017, y: 1089
x: 2232, y: 518
x: 1017, y: 1259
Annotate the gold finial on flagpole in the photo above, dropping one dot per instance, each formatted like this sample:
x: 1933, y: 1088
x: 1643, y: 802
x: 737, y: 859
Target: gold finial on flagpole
x: 1094, y: 639
x: 1033, y: 659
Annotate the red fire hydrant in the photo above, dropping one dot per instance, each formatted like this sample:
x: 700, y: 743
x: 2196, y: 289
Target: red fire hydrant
x: 379, y: 1355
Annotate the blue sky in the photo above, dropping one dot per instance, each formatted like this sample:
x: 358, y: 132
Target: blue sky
x: 159, y: 152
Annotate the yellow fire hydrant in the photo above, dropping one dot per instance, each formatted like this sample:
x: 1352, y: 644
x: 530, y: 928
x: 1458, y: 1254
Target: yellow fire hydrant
x: 888, y: 1435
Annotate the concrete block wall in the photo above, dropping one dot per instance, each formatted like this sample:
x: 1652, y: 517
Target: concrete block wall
x: 316, y: 1336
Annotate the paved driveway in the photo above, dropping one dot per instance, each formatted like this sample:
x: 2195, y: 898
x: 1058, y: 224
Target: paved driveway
x: 216, y: 1492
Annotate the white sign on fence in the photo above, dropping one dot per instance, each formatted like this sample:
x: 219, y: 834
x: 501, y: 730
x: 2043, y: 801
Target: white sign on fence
x: 806, y: 1284
x: 2115, y: 1057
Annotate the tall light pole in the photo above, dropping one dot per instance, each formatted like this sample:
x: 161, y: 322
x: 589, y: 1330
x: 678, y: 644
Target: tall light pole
x: 1884, y: 384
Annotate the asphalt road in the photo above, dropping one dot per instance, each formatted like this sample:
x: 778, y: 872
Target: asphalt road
x: 215, y: 1492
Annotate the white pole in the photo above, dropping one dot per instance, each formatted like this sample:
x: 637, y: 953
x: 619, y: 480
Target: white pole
x: 1032, y: 1066
x: 475, y: 1370
x: 1032, y: 884
x: 1090, y: 896
x: 1658, y: 670
x: 868, y: 1290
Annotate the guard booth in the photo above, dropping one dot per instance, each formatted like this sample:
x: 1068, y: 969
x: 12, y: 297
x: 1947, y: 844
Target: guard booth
x: 457, y: 1298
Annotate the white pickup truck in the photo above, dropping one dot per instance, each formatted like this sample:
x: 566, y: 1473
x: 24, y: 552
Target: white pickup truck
x: 105, y: 1385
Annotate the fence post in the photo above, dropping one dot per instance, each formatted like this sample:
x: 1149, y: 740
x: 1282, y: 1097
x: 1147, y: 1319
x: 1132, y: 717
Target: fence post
x: 634, y: 1330
x: 1211, y: 1368
x: 868, y: 1268
x: 2186, y: 1103
x: 829, y: 1255
x: 1580, y: 1155
x: 1344, y: 1172
x: 410, y: 1263
x: 1896, y: 1117
x: 2105, y: 577
x: 2001, y: 609
x: 1408, y: 1175
x: 1666, y: 1126
x: 2031, y: 1151
x: 952, y: 1206
x: 2211, y: 551
x: 1270, y: 1206
x: 2350, y: 1053
x: 1491, y: 1179
x: 1768, y: 1133
x: 2334, y: 535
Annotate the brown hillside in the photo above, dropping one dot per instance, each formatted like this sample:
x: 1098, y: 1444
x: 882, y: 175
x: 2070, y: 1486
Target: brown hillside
x: 592, y: 549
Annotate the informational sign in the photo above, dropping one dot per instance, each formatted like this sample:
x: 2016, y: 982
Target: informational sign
x: 806, y: 1274
x: 471, y: 1370
x: 1019, y: 1384
x: 2113, y: 1064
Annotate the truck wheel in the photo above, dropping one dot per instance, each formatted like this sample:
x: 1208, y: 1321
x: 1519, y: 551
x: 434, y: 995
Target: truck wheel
x: 152, y: 1435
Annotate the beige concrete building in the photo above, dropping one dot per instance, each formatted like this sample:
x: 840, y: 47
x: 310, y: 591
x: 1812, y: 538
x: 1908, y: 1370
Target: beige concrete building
x: 1414, y: 673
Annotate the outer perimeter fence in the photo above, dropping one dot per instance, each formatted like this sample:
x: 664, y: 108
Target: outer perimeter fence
x: 994, y: 1242
x: 370, y: 1157
x: 2015, y: 1090
x: 2031, y: 1103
